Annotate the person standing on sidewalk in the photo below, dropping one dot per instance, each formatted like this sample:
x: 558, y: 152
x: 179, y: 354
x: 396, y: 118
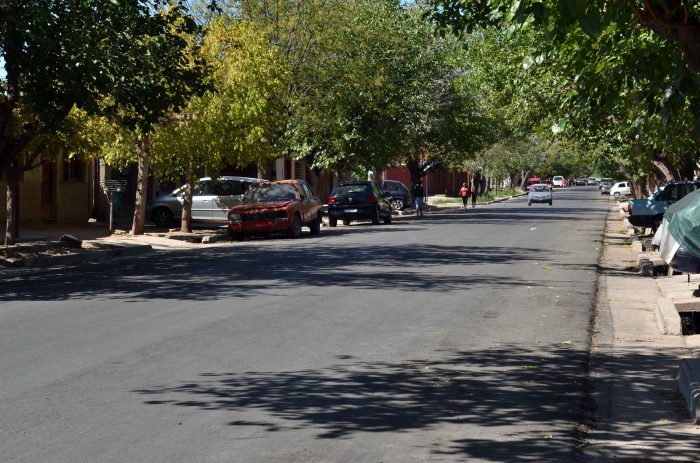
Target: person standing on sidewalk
x: 465, y: 193
x: 476, y: 184
x: 418, y: 194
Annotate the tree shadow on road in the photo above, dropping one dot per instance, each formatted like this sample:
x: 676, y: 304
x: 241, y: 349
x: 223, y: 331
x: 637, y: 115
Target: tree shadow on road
x: 246, y: 271
x: 541, y: 390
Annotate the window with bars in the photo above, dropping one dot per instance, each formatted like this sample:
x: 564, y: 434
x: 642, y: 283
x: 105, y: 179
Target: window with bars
x: 73, y: 170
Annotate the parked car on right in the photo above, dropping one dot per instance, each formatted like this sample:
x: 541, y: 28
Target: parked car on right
x: 401, y: 195
x: 620, y: 189
x: 649, y: 212
x: 357, y: 201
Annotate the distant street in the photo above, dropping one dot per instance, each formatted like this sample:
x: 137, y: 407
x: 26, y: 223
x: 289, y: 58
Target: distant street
x: 461, y: 336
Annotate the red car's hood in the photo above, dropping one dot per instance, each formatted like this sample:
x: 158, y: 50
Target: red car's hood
x: 268, y: 205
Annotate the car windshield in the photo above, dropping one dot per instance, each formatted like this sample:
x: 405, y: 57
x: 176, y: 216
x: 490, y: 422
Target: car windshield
x: 270, y: 192
x: 540, y: 188
x: 351, y: 189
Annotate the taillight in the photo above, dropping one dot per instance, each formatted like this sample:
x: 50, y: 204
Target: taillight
x: 405, y: 195
x: 629, y: 207
x: 371, y: 199
x: 331, y: 200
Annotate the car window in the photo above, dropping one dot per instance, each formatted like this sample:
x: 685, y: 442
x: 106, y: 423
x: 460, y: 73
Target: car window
x: 540, y: 188
x: 227, y: 188
x: 202, y: 189
x: 309, y: 191
x: 686, y: 188
x: 270, y: 192
x: 351, y: 189
x: 390, y: 186
x: 302, y: 191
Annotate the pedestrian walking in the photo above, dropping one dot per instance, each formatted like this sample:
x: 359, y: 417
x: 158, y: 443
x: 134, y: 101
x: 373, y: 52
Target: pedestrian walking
x: 476, y: 185
x: 465, y: 193
x: 418, y: 194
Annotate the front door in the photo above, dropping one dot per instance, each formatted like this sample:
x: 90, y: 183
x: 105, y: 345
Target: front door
x: 48, y: 191
x: 202, y: 200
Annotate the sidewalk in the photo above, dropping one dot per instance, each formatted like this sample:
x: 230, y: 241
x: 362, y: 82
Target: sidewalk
x: 638, y: 413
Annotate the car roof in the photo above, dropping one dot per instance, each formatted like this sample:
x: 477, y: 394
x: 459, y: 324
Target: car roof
x: 290, y: 181
x: 233, y: 177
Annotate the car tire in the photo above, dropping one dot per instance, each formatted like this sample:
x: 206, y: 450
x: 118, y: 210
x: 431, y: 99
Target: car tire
x: 529, y: 203
x: 616, y: 195
x: 315, y: 225
x: 162, y: 217
x: 332, y: 222
x: 295, y: 229
x: 398, y: 204
x: 550, y: 203
x: 375, y: 217
x: 235, y: 236
x: 387, y: 219
x: 346, y: 222
x: 656, y: 223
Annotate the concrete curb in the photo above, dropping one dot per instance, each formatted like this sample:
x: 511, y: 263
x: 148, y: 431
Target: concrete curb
x: 688, y: 379
x: 667, y: 317
x: 85, y: 255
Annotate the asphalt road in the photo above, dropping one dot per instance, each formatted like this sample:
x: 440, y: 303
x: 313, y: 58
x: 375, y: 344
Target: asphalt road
x: 462, y: 336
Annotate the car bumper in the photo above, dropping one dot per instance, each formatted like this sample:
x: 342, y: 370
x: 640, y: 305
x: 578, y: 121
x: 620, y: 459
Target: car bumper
x: 259, y: 226
x: 640, y: 220
x: 364, y: 211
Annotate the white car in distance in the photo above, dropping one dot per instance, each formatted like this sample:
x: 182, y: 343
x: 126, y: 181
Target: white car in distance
x: 558, y: 181
x: 621, y: 189
x: 539, y: 193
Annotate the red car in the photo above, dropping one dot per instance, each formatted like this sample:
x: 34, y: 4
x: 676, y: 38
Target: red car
x: 276, y: 207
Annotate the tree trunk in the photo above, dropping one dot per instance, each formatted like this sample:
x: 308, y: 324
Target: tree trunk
x: 12, y: 224
x: 664, y: 169
x: 186, y: 219
x: 142, y: 152
x: 413, y: 165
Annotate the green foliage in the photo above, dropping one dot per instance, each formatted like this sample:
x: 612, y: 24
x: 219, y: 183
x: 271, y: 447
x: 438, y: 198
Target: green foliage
x: 123, y: 59
x: 591, y: 74
x: 236, y: 121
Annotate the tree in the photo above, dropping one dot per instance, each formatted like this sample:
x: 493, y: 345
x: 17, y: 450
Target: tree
x: 622, y: 93
x: 234, y: 122
x: 94, y: 55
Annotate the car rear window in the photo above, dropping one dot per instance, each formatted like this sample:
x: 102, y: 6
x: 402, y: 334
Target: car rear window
x: 351, y: 189
x: 270, y: 192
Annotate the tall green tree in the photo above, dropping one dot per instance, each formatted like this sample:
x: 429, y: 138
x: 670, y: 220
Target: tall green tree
x: 235, y: 121
x: 114, y: 58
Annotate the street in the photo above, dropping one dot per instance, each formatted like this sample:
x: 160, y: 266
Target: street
x: 459, y: 336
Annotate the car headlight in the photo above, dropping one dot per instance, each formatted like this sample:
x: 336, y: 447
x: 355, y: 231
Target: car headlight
x: 234, y: 218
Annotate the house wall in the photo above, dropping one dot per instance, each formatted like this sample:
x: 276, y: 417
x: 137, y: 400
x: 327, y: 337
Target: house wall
x: 442, y: 182
x: 45, y: 196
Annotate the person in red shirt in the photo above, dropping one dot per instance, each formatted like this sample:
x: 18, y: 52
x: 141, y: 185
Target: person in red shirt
x: 465, y: 193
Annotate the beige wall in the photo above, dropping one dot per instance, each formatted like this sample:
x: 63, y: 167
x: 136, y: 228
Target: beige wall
x: 71, y: 198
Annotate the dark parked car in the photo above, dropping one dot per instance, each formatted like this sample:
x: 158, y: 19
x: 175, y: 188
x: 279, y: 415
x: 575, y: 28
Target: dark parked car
x: 401, y: 196
x: 273, y: 207
x: 356, y: 201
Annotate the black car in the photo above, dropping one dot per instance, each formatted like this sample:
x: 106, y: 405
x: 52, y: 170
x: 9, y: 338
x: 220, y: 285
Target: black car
x: 401, y: 196
x: 357, y: 201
